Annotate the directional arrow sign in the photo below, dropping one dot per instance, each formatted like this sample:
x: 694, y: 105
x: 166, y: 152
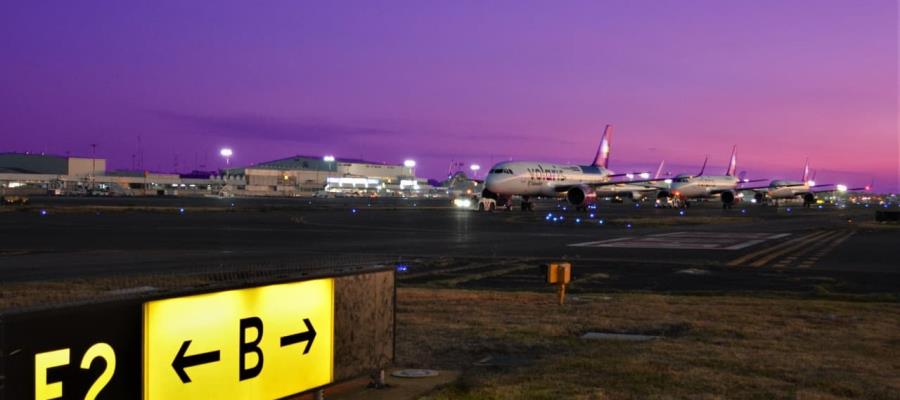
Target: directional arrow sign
x: 183, y: 361
x: 307, y: 337
x: 240, y: 344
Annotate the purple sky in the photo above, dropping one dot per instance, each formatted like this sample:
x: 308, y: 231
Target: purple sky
x: 470, y: 81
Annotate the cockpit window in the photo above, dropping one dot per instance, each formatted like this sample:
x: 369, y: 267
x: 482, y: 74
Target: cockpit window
x: 501, y: 171
x: 682, y: 179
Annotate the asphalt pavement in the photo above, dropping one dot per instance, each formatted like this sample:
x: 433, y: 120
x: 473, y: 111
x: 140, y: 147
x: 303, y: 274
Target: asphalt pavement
x: 73, y: 238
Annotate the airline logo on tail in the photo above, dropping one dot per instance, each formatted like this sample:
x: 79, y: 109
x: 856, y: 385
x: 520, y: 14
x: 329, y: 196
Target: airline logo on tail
x: 659, y: 170
x: 806, y: 177
x: 602, y: 157
x: 732, y: 165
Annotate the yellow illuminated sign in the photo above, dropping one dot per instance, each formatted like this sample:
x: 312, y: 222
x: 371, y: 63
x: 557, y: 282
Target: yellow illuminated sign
x: 259, y: 343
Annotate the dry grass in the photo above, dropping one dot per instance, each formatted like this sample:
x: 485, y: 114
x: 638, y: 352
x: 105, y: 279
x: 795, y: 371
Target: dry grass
x: 28, y: 294
x: 713, y: 347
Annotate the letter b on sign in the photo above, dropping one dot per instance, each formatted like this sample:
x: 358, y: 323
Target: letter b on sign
x: 250, y: 347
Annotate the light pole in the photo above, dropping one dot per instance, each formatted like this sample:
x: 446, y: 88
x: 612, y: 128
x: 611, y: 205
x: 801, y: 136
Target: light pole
x: 475, y: 168
x: 328, y: 159
x: 227, y: 153
x: 410, y: 164
x: 93, y: 163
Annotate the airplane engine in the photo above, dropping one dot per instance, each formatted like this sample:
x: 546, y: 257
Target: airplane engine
x: 759, y: 197
x: 637, y: 196
x: 809, y: 198
x: 729, y: 199
x: 581, y: 196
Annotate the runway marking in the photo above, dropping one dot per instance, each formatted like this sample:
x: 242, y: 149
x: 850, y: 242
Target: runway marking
x: 808, y: 263
x: 688, y: 240
x: 762, y: 252
x: 806, y: 241
x: 444, y: 270
x: 487, y: 274
x: 823, y: 241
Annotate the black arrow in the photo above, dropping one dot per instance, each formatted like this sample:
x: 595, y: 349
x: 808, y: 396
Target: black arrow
x: 181, y: 361
x: 301, y: 337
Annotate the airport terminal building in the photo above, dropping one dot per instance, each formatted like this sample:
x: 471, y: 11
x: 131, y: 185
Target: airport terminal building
x: 308, y: 175
x: 293, y: 176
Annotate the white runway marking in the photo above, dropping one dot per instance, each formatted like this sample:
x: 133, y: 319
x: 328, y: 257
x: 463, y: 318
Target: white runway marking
x: 688, y: 240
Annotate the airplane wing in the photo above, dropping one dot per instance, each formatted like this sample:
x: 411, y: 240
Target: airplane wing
x: 754, y: 188
x: 629, y: 174
x: 642, y: 182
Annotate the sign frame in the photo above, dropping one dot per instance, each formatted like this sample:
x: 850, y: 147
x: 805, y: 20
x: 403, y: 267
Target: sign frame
x: 123, y: 311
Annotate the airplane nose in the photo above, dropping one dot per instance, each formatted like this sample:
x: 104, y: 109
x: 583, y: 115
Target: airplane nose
x: 490, y: 182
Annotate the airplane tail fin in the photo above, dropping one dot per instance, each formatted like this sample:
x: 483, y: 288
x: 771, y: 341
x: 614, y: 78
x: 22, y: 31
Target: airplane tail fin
x: 732, y: 164
x: 602, y: 157
x: 703, y: 168
x: 806, y: 177
x: 659, y: 170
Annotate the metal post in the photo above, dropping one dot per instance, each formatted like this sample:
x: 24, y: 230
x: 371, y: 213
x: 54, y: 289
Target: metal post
x: 379, y: 382
x: 319, y: 394
x: 93, y: 164
x: 562, y: 293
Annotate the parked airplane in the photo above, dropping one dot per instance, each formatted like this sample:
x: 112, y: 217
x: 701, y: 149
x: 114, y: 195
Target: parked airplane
x: 685, y: 187
x: 636, y: 191
x: 806, y: 189
x: 780, y: 189
x: 579, y: 184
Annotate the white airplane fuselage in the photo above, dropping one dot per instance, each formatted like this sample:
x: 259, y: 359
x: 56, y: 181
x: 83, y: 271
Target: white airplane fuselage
x: 525, y: 178
x: 781, y: 189
x: 694, y: 187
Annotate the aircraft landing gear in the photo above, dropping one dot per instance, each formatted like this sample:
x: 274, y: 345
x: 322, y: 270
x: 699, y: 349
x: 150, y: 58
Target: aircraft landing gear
x: 527, y: 205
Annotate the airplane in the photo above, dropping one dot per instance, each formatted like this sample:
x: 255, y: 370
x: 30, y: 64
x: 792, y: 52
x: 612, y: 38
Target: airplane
x: 685, y: 186
x: 579, y: 184
x: 806, y: 188
x: 780, y: 189
x: 634, y: 190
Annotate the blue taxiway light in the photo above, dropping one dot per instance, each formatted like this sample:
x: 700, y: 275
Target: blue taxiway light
x: 681, y: 212
x: 43, y: 212
x: 181, y: 210
x: 600, y: 222
x: 577, y: 220
x: 353, y: 210
x: 628, y: 226
x: 402, y: 267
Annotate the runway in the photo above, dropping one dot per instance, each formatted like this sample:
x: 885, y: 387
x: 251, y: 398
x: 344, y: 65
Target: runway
x: 746, y: 248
